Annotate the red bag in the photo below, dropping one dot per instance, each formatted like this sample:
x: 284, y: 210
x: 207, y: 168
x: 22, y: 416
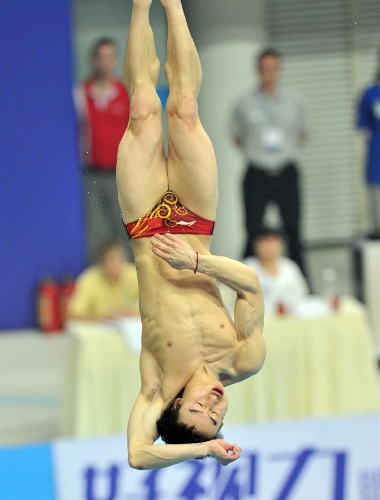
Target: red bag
x: 48, y: 306
x: 66, y: 291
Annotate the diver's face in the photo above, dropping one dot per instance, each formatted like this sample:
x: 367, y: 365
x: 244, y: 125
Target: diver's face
x: 203, y: 406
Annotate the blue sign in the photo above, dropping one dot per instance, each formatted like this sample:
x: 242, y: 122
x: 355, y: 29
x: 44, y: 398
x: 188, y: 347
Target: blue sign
x: 26, y: 473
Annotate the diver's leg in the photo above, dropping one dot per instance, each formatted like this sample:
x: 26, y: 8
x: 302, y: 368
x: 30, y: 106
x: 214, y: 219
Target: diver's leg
x: 141, y: 166
x: 192, y: 169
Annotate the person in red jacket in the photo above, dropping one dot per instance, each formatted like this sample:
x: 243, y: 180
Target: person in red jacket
x: 103, y: 110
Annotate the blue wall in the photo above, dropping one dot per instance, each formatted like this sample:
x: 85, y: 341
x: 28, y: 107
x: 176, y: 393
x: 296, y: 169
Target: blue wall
x: 41, y: 213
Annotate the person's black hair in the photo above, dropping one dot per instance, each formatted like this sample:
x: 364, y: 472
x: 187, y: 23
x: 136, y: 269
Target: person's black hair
x: 268, y: 52
x: 99, y: 43
x: 172, y: 431
x: 106, y: 247
x: 268, y: 232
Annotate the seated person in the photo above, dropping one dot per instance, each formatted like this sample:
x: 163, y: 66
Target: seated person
x: 282, y: 281
x: 107, y: 290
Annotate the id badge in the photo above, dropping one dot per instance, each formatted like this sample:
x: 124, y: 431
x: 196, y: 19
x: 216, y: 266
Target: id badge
x: 272, y: 139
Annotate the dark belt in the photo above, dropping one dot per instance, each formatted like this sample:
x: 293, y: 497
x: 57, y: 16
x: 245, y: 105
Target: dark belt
x: 274, y: 171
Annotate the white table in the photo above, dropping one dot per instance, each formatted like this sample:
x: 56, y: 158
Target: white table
x: 314, y: 367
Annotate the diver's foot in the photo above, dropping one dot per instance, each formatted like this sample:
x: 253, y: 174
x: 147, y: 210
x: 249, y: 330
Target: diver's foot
x: 170, y: 3
x: 142, y: 3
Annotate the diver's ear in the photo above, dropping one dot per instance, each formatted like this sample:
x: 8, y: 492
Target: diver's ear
x: 177, y: 403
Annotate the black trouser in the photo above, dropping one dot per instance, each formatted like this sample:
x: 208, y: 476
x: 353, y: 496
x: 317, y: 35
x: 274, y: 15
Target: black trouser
x: 261, y: 187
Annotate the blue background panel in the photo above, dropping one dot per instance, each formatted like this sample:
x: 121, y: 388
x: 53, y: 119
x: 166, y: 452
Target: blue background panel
x: 26, y: 473
x: 41, y: 213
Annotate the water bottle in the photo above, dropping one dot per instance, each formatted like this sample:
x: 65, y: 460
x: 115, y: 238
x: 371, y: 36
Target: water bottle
x: 330, y: 292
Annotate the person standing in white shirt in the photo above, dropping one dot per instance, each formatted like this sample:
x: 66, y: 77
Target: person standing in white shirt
x: 268, y: 125
x: 281, y: 279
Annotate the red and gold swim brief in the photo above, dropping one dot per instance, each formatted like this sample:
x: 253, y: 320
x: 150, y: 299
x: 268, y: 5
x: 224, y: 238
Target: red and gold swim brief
x: 169, y: 216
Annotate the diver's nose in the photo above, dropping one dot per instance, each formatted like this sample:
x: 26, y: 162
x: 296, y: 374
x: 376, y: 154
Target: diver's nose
x: 213, y: 399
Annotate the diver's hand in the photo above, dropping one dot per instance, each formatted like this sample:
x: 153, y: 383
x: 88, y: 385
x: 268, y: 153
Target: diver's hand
x: 176, y: 252
x: 224, y: 452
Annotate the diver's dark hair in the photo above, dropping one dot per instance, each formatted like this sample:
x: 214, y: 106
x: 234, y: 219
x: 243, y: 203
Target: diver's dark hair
x: 174, y: 432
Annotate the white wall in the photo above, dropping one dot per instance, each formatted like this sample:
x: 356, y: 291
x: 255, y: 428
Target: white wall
x: 227, y: 35
x: 227, y: 73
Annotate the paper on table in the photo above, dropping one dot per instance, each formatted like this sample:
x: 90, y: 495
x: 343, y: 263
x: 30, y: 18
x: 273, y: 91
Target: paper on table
x: 130, y: 328
x: 312, y: 306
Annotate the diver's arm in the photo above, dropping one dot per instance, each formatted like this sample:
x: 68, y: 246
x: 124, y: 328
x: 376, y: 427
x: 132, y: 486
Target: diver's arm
x: 248, y: 311
x: 142, y: 428
x: 144, y: 454
x: 249, y: 306
x: 237, y: 276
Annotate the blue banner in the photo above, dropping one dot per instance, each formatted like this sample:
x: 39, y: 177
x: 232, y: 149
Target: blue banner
x: 26, y: 473
x: 337, y: 459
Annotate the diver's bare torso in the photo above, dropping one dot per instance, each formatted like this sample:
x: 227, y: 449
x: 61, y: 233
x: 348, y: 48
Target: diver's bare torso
x: 185, y: 322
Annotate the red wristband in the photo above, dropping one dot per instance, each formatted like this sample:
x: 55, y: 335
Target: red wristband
x: 196, y: 266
